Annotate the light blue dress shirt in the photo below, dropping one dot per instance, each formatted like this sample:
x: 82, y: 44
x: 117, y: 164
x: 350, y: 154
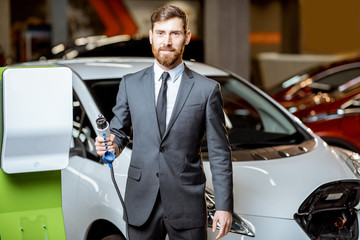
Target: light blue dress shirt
x: 173, y: 84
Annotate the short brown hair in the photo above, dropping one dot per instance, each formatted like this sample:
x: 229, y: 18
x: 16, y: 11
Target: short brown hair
x: 167, y: 12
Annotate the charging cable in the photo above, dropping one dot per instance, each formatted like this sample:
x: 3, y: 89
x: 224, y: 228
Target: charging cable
x: 109, y: 157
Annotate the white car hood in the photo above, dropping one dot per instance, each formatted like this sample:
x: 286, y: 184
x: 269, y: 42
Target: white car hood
x: 276, y: 188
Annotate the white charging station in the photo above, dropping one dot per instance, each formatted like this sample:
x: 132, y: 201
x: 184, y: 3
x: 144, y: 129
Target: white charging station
x: 37, y: 119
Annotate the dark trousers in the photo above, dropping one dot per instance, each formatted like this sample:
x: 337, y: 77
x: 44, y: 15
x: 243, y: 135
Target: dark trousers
x: 157, y: 227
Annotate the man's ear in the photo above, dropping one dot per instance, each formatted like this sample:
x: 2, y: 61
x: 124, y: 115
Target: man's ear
x: 187, y: 37
x: 150, y: 36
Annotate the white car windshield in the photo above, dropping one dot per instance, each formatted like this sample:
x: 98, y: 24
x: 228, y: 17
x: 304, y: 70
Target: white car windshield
x: 253, y: 121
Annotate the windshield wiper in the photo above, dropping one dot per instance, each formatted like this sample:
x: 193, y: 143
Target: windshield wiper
x: 258, y: 144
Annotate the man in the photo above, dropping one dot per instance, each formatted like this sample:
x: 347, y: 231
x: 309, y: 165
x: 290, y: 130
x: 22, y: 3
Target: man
x: 168, y: 117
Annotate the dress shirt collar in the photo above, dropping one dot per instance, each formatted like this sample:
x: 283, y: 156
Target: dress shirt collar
x: 174, y: 73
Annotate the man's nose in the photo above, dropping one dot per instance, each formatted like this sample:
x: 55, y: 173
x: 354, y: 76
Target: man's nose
x: 167, y: 40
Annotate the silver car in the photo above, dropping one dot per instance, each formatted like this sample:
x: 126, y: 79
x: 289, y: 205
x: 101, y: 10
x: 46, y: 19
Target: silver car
x: 288, y: 183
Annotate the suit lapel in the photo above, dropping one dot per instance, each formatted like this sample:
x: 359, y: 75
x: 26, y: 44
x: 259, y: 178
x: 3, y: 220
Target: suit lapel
x: 186, y: 85
x: 149, y: 95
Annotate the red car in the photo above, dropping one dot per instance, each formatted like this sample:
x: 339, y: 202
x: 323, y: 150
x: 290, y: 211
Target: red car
x: 327, y: 100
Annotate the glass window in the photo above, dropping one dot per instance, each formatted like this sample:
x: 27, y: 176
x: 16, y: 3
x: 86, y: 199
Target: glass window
x: 253, y: 121
x: 104, y: 94
x: 83, y: 133
x: 329, y: 81
x: 337, y: 78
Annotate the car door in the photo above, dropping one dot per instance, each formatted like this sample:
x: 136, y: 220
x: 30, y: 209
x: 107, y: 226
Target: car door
x: 91, y: 206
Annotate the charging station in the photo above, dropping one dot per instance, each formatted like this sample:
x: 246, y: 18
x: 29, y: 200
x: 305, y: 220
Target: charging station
x: 36, y: 130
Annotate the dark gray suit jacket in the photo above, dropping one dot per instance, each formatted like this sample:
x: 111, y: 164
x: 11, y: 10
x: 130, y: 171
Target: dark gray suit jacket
x: 173, y: 164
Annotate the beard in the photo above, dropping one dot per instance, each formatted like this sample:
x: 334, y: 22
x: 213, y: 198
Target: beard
x: 167, y: 60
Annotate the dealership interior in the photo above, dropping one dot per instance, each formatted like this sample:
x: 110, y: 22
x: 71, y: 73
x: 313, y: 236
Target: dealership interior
x: 276, y: 117
x: 248, y: 37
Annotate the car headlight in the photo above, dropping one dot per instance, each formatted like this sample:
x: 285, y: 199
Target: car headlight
x: 352, y: 159
x: 239, y: 225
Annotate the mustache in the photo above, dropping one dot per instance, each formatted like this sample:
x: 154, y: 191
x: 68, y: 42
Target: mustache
x: 166, y: 49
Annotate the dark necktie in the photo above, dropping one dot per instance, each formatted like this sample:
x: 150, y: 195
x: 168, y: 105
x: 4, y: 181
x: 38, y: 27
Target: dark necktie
x: 162, y: 103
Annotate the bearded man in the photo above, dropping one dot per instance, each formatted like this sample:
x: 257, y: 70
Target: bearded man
x: 168, y: 108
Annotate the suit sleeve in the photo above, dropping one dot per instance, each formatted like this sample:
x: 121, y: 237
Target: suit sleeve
x: 219, y: 151
x: 120, y: 124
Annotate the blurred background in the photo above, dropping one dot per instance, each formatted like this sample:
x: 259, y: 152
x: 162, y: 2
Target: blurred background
x: 264, y: 41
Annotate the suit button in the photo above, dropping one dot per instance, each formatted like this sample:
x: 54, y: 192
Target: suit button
x: 157, y: 174
x: 162, y: 149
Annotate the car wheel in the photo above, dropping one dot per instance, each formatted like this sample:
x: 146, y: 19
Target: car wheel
x: 114, y: 237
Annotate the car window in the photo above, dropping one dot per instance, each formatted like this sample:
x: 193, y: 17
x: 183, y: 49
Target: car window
x: 324, y: 82
x: 332, y: 81
x: 83, y: 133
x: 253, y: 121
x: 104, y: 94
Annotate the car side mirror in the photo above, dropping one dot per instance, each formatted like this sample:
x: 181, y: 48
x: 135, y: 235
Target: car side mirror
x: 36, y: 119
x: 350, y: 106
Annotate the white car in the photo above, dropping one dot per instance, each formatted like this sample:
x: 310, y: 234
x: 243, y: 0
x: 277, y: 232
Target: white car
x: 288, y: 183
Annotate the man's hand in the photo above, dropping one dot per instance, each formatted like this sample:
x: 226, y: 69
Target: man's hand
x: 225, y: 220
x: 100, y: 144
